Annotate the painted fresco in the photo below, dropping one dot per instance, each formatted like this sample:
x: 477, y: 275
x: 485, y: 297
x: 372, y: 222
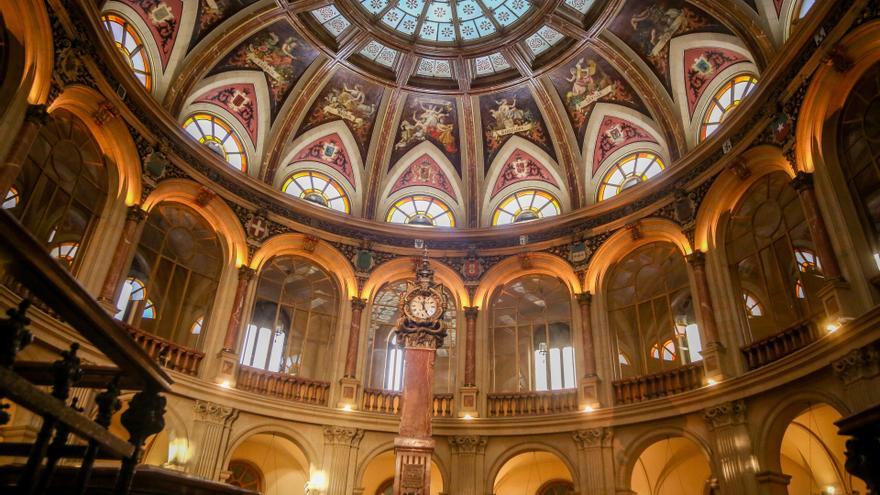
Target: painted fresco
x: 615, y: 133
x: 330, y: 151
x: 424, y: 172
x: 163, y: 18
x: 648, y: 30
x: 511, y: 113
x: 701, y: 66
x: 279, y: 53
x: 348, y: 98
x: 428, y: 118
x: 521, y: 167
x: 211, y: 13
x: 240, y: 100
x: 590, y: 79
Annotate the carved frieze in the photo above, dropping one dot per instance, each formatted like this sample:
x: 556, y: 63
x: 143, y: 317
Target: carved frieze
x: 340, y: 435
x: 726, y: 414
x: 858, y: 364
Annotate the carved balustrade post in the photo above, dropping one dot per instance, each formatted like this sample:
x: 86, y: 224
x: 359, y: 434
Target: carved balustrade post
x: 468, y: 459
x: 145, y: 416
x: 733, y: 447
x: 595, y: 461
x: 713, y: 349
x: 340, y: 456
x: 108, y: 404
x: 131, y: 230
x: 35, y: 118
x: 213, y: 423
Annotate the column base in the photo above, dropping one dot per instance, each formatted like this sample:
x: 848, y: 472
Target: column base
x: 713, y: 362
x: 468, y: 402
x: 412, y: 468
x: 589, y: 391
x: 837, y: 299
x: 348, y: 393
x: 226, y: 371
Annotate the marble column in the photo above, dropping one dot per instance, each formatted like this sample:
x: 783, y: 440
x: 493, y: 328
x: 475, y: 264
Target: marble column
x: 354, y: 336
x: 470, y: 349
x: 340, y: 449
x: 35, y: 118
x: 595, y: 461
x: 245, y: 275
x: 210, y: 438
x: 414, y: 445
x: 121, y: 256
x: 712, y: 348
x: 468, y: 457
x: 589, y: 388
x: 733, y: 447
x: 803, y: 184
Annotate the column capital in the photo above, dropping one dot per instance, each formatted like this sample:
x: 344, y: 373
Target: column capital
x: 340, y: 435
x: 585, y: 298
x: 214, y: 413
x: 802, y: 181
x: 726, y: 414
x: 37, y: 114
x: 467, y: 444
x: 471, y: 312
x: 696, y: 259
x: 136, y: 214
x: 592, y: 437
x: 246, y: 273
x: 358, y: 303
x: 858, y: 364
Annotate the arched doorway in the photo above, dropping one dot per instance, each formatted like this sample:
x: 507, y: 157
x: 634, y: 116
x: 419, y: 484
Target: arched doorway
x: 672, y: 466
x: 378, y: 478
x: 534, y: 473
x: 272, y: 462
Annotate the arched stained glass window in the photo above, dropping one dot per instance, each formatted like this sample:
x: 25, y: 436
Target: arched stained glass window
x: 128, y: 41
x: 523, y: 206
x: 726, y: 99
x: 243, y: 474
x: 628, y: 172
x: 65, y: 252
x: 753, y: 307
x: 421, y: 210
x: 668, y: 351
x: 132, y: 297
x: 12, y: 199
x: 317, y: 188
x: 218, y: 136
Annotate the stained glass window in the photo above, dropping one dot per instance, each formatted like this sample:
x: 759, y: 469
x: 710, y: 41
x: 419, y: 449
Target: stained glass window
x: 218, y: 136
x: 668, y: 351
x: 317, y: 188
x: 379, y: 53
x: 65, y: 252
x: 522, y: 206
x: 128, y: 41
x: 490, y: 64
x: 332, y: 20
x: 133, y: 292
x: 753, y: 307
x: 542, y: 40
x: 629, y: 171
x: 430, y: 67
x: 12, y: 199
x: 726, y: 99
x: 447, y: 21
x: 421, y: 210
x: 806, y: 260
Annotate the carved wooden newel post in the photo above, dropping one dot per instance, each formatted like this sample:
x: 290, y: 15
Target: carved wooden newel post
x: 420, y: 332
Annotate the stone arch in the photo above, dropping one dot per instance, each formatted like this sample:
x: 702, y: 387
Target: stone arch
x: 28, y: 21
x: 512, y: 267
x: 279, y: 429
x: 423, y: 148
x: 322, y: 253
x: 629, y: 457
x: 524, y: 448
x: 403, y: 268
x: 386, y: 448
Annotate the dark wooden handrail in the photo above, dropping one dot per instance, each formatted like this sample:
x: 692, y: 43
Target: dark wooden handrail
x: 775, y: 347
x: 26, y: 259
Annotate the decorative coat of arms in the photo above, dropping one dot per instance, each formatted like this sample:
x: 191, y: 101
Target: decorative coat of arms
x: 257, y: 227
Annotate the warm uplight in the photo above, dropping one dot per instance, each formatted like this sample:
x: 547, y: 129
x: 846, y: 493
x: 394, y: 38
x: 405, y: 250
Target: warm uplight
x: 225, y: 384
x: 346, y: 408
x: 711, y: 382
x: 467, y: 417
x: 830, y: 490
x: 178, y: 451
x: 832, y: 327
x: 589, y: 409
x: 318, y: 481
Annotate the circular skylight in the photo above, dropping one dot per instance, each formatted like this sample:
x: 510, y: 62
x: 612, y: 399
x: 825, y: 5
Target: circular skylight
x: 447, y: 21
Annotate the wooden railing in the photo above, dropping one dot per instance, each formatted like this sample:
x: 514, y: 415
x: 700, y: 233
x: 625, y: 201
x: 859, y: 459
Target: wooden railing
x: 766, y: 351
x: 531, y: 403
x: 389, y: 402
x: 663, y: 384
x: 170, y: 355
x: 283, y: 385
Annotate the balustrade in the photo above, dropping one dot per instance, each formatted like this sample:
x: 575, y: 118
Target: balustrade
x: 170, y: 355
x: 532, y: 403
x: 389, y: 402
x: 657, y: 385
x: 766, y: 351
x: 283, y: 385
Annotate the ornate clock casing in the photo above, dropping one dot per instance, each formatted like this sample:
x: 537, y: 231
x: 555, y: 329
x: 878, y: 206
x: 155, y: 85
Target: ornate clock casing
x: 422, y: 309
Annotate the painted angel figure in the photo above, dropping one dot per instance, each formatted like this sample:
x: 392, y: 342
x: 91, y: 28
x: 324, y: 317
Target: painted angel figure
x: 663, y: 24
x: 582, y: 78
x: 506, y: 114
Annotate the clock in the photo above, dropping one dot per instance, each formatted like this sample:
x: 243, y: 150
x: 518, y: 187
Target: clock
x: 424, y: 305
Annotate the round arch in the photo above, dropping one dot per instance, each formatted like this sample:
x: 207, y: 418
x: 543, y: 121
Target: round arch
x: 215, y: 211
x: 28, y: 21
x: 512, y: 267
x: 622, y: 243
x: 288, y: 163
x: 630, y: 456
x: 525, y: 448
x: 385, y: 448
x: 402, y: 268
x: 320, y: 252
x: 284, y: 431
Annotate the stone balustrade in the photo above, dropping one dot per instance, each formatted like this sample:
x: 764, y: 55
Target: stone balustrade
x: 657, y: 385
x: 531, y: 403
x: 766, y: 351
x: 283, y: 385
x: 170, y: 355
x: 389, y: 402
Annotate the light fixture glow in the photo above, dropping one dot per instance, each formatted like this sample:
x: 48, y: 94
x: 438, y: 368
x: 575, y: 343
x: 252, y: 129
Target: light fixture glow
x: 225, y: 384
x: 318, y: 481
x: 832, y: 327
x: 711, y: 382
x: 346, y: 408
x: 467, y: 417
x: 830, y: 490
x: 589, y: 409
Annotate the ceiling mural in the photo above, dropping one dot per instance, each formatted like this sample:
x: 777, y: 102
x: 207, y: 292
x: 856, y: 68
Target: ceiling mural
x: 279, y: 52
x: 702, y: 66
x: 590, y: 80
x: 351, y: 99
x: 614, y: 134
x: 328, y: 150
x: 426, y: 172
x: 240, y: 100
x: 649, y: 29
x: 511, y: 113
x: 212, y: 13
x: 428, y: 118
x: 521, y: 167
x: 163, y: 18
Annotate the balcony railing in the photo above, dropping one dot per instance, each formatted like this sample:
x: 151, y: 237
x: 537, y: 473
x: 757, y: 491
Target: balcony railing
x: 390, y: 402
x: 283, y: 385
x: 657, y: 385
x: 531, y: 403
x: 766, y: 351
x: 170, y: 355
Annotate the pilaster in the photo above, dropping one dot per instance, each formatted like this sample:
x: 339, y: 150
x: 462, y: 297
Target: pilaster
x: 340, y: 449
x: 468, y: 459
x: 859, y: 371
x: 212, y: 425
x: 733, y: 447
x: 595, y: 460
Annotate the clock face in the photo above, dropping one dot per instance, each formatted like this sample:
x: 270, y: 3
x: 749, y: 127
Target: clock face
x: 421, y: 306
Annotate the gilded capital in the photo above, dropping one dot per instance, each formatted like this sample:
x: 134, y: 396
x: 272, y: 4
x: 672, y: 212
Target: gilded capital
x: 471, y: 312
x: 358, y: 303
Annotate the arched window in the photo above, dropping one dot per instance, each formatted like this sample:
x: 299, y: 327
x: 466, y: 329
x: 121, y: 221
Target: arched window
x: 12, y: 199
x: 243, y: 474
x: 522, y: 206
x: 218, y: 136
x: 62, y: 187
x: 629, y: 171
x: 317, y: 188
x: 174, y: 275
x: 421, y: 210
x: 860, y: 152
x: 726, y: 99
x: 386, y: 359
x: 293, y: 325
x: 128, y: 41
x: 530, y: 336
x: 772, y: 258
x: 802, y: 7
x: 651, y: 310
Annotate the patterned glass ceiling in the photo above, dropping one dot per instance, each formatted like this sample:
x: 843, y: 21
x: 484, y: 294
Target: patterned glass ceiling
x: 447, y: 21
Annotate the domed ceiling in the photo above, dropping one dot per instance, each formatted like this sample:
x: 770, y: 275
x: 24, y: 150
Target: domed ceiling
x: 451, y: 113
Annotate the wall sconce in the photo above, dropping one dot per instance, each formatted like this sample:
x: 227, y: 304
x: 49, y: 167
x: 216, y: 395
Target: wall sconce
x: 317, y: 484
x: 178, y: 453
